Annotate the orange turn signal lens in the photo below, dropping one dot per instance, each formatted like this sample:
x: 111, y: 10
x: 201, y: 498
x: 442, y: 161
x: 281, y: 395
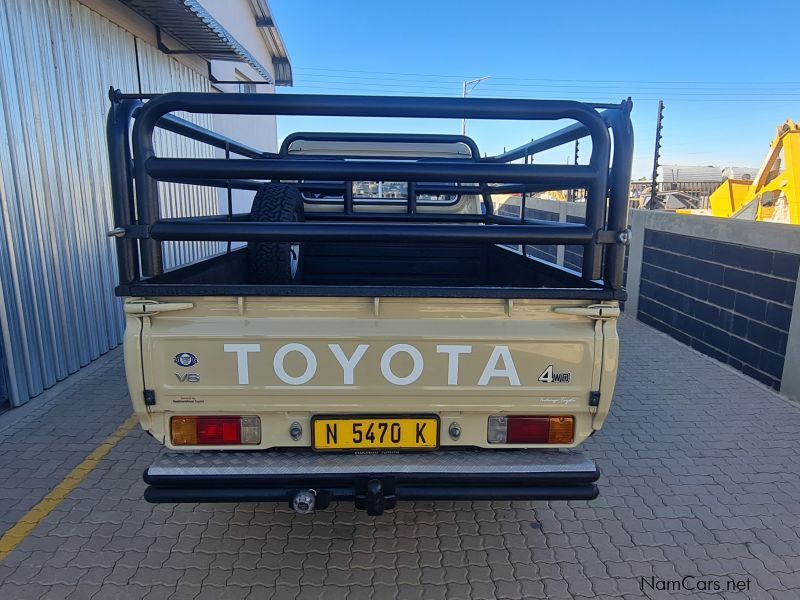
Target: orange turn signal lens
x: 184, y: 431
x: 562, y: 430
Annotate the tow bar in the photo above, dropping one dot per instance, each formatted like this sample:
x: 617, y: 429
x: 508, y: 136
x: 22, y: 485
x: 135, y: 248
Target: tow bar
x: 375, y: 496
x: 370, y: 495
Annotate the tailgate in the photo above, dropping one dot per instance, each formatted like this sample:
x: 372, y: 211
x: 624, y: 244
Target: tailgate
x: 290, y: 359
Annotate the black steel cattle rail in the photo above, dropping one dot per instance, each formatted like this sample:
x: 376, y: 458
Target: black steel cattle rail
x: 140, y: 229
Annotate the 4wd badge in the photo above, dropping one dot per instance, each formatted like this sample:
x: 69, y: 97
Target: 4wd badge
x: 185, y: 359
x: 549, y: 375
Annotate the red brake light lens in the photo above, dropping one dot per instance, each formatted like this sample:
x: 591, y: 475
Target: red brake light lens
x: 528, y: 430
x: 218, y: 431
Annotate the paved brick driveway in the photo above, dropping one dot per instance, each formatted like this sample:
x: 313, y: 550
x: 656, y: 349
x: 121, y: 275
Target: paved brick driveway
x: 700, y: 478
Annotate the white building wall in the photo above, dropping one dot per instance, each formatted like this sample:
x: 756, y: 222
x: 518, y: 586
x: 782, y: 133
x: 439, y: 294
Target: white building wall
x: 57, y: 267
x: 238, y: 18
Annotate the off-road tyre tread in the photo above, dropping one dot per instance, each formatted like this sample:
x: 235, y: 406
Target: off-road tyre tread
x: 268, y: 262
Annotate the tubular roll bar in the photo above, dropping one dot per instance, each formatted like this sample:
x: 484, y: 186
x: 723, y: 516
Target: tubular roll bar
x: 553, y: 140
x: 378, y: 170
x: 195, y: 132
x: 334, y: 175
x: 247, y: 231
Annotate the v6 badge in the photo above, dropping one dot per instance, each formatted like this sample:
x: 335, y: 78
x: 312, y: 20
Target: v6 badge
x: 188, y: 377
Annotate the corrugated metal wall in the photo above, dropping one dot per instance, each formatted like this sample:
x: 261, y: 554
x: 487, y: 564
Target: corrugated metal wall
x: 57, y: 267
x: 160, y: 74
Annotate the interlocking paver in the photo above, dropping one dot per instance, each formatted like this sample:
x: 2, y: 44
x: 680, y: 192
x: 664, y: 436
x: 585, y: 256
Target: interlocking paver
x: 700, y: 478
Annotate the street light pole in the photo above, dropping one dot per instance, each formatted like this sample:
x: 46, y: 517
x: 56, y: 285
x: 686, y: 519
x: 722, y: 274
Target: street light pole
x: 466, y: 87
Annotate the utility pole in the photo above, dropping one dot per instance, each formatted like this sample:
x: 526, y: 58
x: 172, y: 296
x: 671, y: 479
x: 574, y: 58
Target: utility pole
x: 466, y: 87
x: 571, y: 194
x: 656, y: 156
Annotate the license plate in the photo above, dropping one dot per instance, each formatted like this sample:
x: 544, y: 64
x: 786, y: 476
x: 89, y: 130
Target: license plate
x: 375, y: 433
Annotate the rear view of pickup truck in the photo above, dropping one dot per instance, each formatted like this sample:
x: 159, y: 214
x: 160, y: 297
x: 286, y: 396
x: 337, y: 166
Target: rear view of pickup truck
x: 379, y: 333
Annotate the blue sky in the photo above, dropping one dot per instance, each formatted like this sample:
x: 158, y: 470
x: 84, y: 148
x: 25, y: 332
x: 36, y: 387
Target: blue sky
x: 727, y: 71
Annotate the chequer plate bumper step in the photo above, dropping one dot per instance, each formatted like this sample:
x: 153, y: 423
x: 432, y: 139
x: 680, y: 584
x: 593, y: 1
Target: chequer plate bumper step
x: 273, y: 476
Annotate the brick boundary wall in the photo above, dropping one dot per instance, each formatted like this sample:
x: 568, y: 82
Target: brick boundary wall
x: 729, y: 301
x: 550, y: 210
x: 722, y: 286
x: 573, y: 255
x: 548, y: 253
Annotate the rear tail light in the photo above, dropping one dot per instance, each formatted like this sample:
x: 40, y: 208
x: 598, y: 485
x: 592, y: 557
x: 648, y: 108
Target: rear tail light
x: 531, y: 430
x: 215, y: 431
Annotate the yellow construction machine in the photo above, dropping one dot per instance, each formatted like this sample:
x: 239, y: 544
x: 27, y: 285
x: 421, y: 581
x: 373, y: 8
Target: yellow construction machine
x: 774, y: 195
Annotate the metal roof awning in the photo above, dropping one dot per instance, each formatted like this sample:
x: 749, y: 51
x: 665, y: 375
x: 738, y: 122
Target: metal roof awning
x: 196, y: 30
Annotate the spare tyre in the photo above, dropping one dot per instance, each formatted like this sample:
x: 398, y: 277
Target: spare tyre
x: 276, y: 262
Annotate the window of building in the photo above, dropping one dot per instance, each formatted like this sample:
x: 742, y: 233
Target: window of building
x: 246, y: 87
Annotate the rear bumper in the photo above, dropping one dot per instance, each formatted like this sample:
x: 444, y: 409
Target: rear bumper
x: 372, y: 481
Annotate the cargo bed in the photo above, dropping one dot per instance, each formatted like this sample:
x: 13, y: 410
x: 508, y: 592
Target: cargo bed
x: 386, y: 270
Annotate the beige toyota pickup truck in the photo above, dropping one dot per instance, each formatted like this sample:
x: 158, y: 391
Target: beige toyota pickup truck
x: 371, y: 330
